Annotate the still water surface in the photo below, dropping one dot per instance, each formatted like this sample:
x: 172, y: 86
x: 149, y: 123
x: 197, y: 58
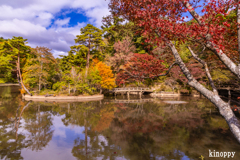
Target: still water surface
x: 111, y: 131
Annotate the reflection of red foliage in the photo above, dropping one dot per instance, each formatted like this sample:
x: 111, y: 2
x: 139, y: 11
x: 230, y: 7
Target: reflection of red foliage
x: 234, y: 108
x: 141, y: 126
x: 118, y: 111
x: 122, y: 107
x: 141, y: 65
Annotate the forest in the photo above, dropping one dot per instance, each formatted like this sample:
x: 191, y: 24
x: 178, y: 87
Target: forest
x: 117, y: 55
x: 187, y: 47
x: 141, y: 43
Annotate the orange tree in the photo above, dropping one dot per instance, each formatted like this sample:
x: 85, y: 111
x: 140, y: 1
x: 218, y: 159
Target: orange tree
x: 102, y: 75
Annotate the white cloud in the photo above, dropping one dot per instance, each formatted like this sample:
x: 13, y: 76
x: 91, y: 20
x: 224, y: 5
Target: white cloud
x: 72, y: 30
x: 62, y: 22
x: 19, y: 27
x: 96, y: 15
x: 85, y: 5
x: 7, y: 12
x: 31, y: 19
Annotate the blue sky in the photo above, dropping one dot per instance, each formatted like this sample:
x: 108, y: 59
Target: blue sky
x: 50, y: 23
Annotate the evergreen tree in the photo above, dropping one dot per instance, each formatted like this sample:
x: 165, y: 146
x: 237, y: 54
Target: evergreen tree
x: 6, y: 57
x: 91, y: 41
x: 13, y: 53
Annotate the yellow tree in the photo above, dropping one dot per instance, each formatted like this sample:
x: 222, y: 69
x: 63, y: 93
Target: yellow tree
x: 39, y: 68
x: 105, y: 72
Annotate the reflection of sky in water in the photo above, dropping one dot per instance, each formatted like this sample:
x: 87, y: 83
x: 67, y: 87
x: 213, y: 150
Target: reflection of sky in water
x: 60, y: 147
x: 177, y: 152
x: 183, y: 154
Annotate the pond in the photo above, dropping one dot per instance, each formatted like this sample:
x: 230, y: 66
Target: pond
x: 112, y: 129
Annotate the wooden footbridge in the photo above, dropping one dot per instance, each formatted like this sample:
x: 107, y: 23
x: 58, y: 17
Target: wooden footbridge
x: 228, y: 87
x: 233, y: 90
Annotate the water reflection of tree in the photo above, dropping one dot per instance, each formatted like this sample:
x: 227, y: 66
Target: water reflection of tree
x: 156, y: 130
x: 82, y: 151
x: 9, y: 147
x: 40, y: 128
x: 5, y: 92
x: 96, y: 119
x: 81, y: 114
x: 135, y: 131
x: 11, y: 142
x: 12, y: 111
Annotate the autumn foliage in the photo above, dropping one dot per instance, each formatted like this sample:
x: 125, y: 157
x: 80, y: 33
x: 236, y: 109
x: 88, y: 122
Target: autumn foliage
x: 166, y: 17
x: 105, y: 72
x: 196, y: 70
x: 139, y: 67
x: 166, y: 21
x: 124, y: 52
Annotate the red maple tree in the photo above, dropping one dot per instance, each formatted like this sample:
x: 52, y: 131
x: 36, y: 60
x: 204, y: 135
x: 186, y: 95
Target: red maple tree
x: 124, y: 52
x: 140, y: 67
x: 164, y: 23
x: 196, y: 70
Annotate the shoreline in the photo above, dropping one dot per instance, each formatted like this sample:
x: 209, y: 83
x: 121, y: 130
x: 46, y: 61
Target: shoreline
x: 64, y: 98
x: 165, y: 95
x: 172, y: 95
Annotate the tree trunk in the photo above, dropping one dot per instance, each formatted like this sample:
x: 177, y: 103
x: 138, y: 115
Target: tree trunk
x: 39, y: 85
x: 20, y: 76
x: 17, y: 125
x: 68, y: 88
x: 86, y: 129
x: 40, y: 77
x: 224, y: 108
x: 88, y: 55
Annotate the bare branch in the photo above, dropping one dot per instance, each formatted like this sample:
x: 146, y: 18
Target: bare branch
x: 206, y: 69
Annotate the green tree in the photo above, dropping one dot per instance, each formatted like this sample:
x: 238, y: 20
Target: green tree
x: 79, y: 57
x: 6, y: 66
x: 39, y: 68
x: 115, y: 30
x: 91, y: 41
x: 13, y: 51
